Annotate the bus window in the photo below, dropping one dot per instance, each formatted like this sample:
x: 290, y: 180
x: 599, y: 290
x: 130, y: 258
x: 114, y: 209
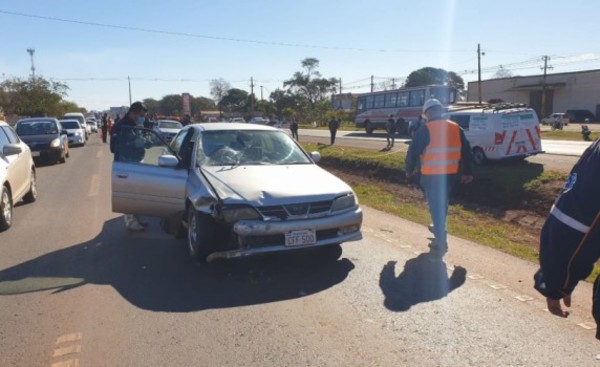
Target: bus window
x: 390, y: 99
x: 417, y: 98
x: 369, y: 103
x: 403, y: 99
x: 360, y: 104
x: 379, y: 101
x: 461, y: 120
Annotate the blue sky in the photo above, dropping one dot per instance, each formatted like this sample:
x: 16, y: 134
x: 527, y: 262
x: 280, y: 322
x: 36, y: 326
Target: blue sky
x: 352, y: 39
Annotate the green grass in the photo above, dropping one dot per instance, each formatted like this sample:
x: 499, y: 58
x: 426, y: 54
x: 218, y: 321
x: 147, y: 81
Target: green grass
x: 567, y: 135
x: 343, y: 127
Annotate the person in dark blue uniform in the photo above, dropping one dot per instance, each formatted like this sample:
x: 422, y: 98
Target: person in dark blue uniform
x: 570, y: 238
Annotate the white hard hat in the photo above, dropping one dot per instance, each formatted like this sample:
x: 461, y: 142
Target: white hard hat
x: 431, y: 103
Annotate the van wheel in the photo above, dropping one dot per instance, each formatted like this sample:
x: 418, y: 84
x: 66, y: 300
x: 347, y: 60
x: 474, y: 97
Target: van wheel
x: 369, y: 128
x: 479, y: 156
x: 5, y: 209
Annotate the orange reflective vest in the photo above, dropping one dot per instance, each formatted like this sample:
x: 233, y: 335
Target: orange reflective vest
x: 442, y: 155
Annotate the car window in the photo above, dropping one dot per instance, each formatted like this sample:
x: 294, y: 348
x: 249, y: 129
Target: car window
x: 140, y: 145
x: 36, y: 128
x: 71, y: 124
x: 13, y: 138
x: 248, y: 147
x: 461, y: 120
x: 177, y: 141
x: 3, y: 139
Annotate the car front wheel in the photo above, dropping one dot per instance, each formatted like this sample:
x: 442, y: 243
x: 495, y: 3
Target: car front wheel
x: 5, y: 209
x: 201, y: 239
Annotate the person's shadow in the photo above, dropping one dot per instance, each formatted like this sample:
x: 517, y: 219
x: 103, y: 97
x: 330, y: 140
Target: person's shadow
x: 424, y: 279
x: 154, y: 272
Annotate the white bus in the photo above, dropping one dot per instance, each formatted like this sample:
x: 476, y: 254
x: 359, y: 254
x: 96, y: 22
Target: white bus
x: 404, y: 105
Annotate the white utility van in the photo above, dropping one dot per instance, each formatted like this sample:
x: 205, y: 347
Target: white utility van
x: 499, y: 132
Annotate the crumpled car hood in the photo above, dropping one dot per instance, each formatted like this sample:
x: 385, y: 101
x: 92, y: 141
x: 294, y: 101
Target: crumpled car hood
x: 274, y: 184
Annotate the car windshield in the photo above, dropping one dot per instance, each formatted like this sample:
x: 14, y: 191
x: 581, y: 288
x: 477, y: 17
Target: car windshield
x: 169, y: 125
x: 36, y: 128
x: 248, y: 147
x: 70, y: 124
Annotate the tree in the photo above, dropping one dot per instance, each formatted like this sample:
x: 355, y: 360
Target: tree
x: 202, y: 104
x: 235, y: 100
x: 429, y: 75
x: 170, y: 105
x: 218, y: 90
x: 34, y: 97
x: 502, y: 73
x: 309, y: 84
x: 152, y: 104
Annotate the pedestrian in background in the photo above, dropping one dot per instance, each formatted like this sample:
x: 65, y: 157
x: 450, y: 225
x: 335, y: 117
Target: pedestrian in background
x: 334, y: 125
x: 294, y: 130
x: 570, y: 237
x: 125, y: 145
x: 390, y: 128
x: 104, y: 126
x: 187, y: 119
x: 442, y: 150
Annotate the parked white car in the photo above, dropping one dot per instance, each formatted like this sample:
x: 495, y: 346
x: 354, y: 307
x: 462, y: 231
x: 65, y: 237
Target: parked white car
x: 236, y: 190
x: 17, y: 174
x: 167, y: 129
x: 560, y: 118
x: 75, y: 132
x: 79, y: 117
x: 259, y: 120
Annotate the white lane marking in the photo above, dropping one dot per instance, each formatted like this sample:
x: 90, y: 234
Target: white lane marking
x: 475, y: 276
x: 94, y: 185
x: 59, y: 352
x: 69, y: 338
x: 496, y: 286
x: 524, y: 298
x: 588, y: 325
x: 67, y: 363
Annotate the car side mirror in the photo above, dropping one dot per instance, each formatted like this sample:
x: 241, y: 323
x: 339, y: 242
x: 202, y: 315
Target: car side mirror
x: 316, y: 156
x: 63, y: 132
x: 168, y: 160
x: 11, y: 149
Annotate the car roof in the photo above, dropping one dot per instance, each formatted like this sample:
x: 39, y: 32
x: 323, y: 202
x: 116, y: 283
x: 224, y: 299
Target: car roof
x: 215, y: 126
x: 38, y: 119
x: 491, y: 111
x: 159, y: 121
x: 73, y: 114
x: 63, y: 120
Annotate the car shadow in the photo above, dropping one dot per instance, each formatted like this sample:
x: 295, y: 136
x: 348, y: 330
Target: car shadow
x: 154, y: 272
x: 424, y: 279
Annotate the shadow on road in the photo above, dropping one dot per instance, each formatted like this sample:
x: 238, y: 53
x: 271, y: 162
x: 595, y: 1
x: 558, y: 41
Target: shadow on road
x: 424, y: 279
x: 153, y: 272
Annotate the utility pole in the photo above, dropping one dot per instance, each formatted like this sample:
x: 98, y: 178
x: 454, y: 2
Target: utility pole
x: 372, y: 85
x: 545, y: 69
x: 252, y: 96
x: 479, y: 73
x: 340, y: 85
x: 129, y: 81
x: 393, y: 83
x: 261, y: 92
x: 31, y: 51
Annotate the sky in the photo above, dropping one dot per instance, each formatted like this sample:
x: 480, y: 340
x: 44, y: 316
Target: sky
x: 187, y: 43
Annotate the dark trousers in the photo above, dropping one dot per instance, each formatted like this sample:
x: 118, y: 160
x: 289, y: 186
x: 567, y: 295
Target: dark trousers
x: 333, y: 133
x: 390, y: 139
x: 295, y: 134
x: 104, y: 133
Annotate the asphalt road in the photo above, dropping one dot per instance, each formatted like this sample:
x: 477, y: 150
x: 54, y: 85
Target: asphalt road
x: 77, y: 290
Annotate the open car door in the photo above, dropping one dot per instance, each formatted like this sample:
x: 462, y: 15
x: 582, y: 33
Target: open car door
x: 147, y: 178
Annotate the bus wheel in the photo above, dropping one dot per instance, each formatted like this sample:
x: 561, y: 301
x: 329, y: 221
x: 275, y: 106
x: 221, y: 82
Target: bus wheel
x: 479, y: 156
x: 402, y: 127
x: 369, y: 128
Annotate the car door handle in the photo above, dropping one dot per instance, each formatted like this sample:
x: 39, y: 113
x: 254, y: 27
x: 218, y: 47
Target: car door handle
x: 122, y: 175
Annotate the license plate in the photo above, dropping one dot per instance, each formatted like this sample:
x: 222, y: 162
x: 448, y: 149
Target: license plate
x: 301, y: 238
x: 35, y: 154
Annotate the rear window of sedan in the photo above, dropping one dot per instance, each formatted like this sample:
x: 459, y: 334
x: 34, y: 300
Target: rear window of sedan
x: 39, y: 127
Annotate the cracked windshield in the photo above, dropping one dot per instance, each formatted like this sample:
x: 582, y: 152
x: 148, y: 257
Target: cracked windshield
x: 278, y: 183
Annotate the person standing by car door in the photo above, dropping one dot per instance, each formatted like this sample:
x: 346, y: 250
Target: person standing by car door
x: 570, y: 237
x: 124, y: 145
x: 334, y: 125
x: 442, y: 150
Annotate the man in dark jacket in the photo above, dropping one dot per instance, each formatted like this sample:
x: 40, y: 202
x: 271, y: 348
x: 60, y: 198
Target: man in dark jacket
x: 570, y: 238
x: 334, y: 125
x: 442, y: 151
x: 126, y: 146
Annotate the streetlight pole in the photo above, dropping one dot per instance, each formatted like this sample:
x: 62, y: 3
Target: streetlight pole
x: 129, y: 82
x: 479, y: 73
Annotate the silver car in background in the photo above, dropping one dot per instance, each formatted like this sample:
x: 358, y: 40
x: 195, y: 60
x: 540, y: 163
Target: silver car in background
x: 17, y: 174
x: 75, y: 132
x: 234, y: 190
x: 167, y: 129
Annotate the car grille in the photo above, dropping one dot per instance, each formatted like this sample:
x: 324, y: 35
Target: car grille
x: 279, y: 239
x: 39, y: 146
x: 295, y: 210
x: 71, y: 134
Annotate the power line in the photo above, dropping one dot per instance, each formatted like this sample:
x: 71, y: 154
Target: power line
x: 217, y: 38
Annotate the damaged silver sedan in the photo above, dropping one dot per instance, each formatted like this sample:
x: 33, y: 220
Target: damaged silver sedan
x: 235, y: 190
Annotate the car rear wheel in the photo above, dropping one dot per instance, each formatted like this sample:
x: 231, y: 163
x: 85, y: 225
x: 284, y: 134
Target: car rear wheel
x: 63, y: 157
x: 201, y: 238
x: 31, y: 196
x: 5, y: 209
x: 479, y: 156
